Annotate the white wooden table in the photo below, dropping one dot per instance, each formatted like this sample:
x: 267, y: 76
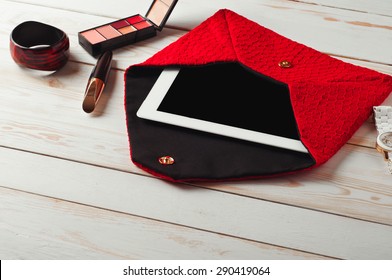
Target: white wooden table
x: 68, y: 189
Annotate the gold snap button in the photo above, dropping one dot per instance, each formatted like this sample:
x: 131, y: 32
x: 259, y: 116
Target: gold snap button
x: 166, y: 160
x: 285, y: 64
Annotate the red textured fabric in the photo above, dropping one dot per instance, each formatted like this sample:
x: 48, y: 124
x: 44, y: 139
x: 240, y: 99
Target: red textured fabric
x: 331, y: 99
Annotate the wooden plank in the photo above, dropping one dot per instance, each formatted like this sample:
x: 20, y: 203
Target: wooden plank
x: 334, y: 31
x: 60, y: 128
x: 36, y: 227
x: 233, y: 215
x: 380, y: 7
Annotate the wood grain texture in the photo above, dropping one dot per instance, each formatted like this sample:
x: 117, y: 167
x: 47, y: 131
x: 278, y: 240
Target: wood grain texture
x: 233, y: 215
x: 354, y: 183
x: 43, y: 228
x: 380, y: 7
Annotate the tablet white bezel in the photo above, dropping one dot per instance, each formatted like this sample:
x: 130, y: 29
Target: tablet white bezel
x: 149, y: 110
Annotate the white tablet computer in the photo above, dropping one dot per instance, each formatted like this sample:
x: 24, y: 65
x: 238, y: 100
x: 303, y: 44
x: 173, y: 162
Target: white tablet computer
x: 225, y: 102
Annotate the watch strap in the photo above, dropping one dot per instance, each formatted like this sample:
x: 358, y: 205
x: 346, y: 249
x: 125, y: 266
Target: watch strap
x: 383, y: 118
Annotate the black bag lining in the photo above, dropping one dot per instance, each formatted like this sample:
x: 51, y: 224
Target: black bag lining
x: 205, y: 156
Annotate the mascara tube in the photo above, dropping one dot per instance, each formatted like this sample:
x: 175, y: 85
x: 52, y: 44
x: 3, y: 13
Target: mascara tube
x: 97, y: 81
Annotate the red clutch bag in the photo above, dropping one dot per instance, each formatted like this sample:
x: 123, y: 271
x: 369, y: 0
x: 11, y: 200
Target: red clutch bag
x: 293, y: 91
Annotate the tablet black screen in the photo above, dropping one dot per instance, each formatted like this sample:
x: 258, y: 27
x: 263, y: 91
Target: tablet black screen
x: 230, y: 94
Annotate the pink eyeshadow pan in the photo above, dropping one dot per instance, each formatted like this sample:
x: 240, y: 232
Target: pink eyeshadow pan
x: 127, y: 29
x: 141, y: 25
x: 93, y: 36
x: 108, y: 32
x: 135, y: 19
x: 157, y: 12
x: 120, y: 24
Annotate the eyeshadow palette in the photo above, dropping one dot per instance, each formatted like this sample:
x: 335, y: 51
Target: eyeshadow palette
x: 128, y: 30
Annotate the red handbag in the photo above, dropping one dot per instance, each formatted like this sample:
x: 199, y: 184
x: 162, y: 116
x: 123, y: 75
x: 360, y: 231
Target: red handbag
x: 304, y: 94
